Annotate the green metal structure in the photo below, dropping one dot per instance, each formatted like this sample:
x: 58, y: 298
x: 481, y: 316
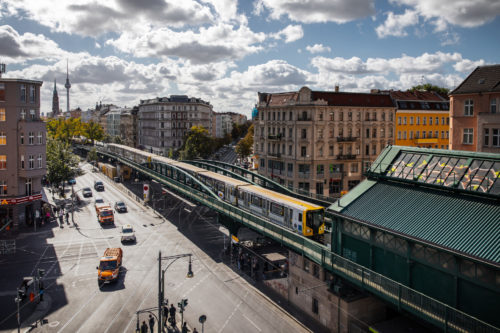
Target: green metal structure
x: 401, y: 296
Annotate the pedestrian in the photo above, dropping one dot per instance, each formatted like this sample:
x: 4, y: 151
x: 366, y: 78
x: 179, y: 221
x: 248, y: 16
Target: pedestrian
x: 172, y: 314
x: 151, y: 323
x: 185, y: 329
x: 195, y: 330
x: 67, y: 217
x: 144, y: 327
x: 37, y: 217
x: 165, y: 314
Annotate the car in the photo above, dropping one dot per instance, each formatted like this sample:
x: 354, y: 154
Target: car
x: 98, y: 185
x: 99, y: 201
x: 120, y: 207
x: 128, y: 234
x: 87, y: 192
x: 72, y: 181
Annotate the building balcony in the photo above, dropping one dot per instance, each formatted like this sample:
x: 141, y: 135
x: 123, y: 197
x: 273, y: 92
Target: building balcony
x: 346, y: 157
x: 427, y: 140
x: 278, y: 155
x: 304, y: 175
x: 346, y: 138
x: 336, y: 175
x: 304, y: 119
x: 275, y: 137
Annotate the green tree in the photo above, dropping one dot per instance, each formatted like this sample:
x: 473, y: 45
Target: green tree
x: 431, y: 87
x: 92, y: 155
x: 117, y: 140
x: 61, y: 162
x: 244, y: 146
x: 197, y: 144
x: 93, y: 131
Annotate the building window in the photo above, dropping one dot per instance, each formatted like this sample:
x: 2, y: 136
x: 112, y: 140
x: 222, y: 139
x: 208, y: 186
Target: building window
x: 2, y: 92
x: 367, y: 150
x: 40, y: 136
x: 303, y: 151
x: 411, y: 120
x: 23, y: 93
x: 447, y: 135
x: 304, y: 133
x: 399, y: 120
x: 424, y: 134
x: 404, y: 121
x: 330, y: 150
x: 430, y: 120
x: 382, y: 133
x: 404, y: 135
x: 3, y: 187
x: 3, y: 162
x: 442, y: 121
x: 2, y: 114
x: 430, y: 134
x: 290, y: 150
x: 354, y: 167
x: 29, y: 184
x: 31, y: 138
x: 436, y: 134
x: 468, y: 136
x: 31, y: 162
x: 39, y: 161
x: 411, y: 135
x: 349, y: 116
x: 468, y: 107
x: 306, y: 262
x: 437, y: 120
x: 3, y: 138
x: 22, y: 161
x: 486, y: 137
x: 424, y: 120
x: 442, y: 134
x: 367, y: 133
x: 32, y: 94
x: 493, y: 105
x: 496, y: 137
x: 399, y: 135
x: 418, y: 120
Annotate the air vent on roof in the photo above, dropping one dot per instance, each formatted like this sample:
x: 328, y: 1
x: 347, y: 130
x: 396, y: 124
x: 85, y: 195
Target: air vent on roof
x: 481, y: 81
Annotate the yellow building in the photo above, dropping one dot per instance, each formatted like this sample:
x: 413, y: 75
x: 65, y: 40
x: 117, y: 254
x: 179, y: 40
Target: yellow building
x: 422, y: 119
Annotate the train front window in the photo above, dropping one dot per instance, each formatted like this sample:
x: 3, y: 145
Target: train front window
x: 314, y: 219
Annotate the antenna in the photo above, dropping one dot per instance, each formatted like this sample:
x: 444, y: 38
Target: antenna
x: 2, y: 69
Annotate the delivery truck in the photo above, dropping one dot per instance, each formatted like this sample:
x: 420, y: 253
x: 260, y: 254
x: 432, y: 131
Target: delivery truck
x: 109, y: 266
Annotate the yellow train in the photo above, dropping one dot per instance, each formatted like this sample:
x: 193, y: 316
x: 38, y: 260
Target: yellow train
x: 302, y: 217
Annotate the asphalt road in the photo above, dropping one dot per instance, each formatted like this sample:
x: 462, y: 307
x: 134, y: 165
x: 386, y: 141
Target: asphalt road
x: 70, y: 255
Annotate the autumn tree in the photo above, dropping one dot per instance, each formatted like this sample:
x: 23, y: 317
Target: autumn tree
x: 93, y: 131
x: 197, y: 144
x: 61, y: 162
x: 244, y: 146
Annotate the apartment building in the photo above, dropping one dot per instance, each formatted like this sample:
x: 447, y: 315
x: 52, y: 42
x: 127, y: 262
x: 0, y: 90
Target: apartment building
x: 164, y: 122
x: 224, y: 122
x: 22, y: 151
x: 321, y: 141
x: 475, y: 113
x: 422, y: 119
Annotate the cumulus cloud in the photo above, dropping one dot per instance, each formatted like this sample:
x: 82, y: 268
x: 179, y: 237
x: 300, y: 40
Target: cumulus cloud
x: 467, y: 66
x: 211, y: 44
x: 463, y: 13
x: 318, y: 48
x: 290, y: 34
x: 425, y: 63
x: 91, y: 18
x: 395, y: 25
x: 16, y: 48
x: 317, y: 11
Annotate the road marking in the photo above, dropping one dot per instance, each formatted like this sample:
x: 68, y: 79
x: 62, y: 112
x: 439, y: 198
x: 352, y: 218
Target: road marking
x: 251, y: 322
x: 54, y: 323
x: 80, y: 310
x: 79, y: 257
x: 232, y: 313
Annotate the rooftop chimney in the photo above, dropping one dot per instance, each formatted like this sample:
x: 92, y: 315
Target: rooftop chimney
x: 336, y: 87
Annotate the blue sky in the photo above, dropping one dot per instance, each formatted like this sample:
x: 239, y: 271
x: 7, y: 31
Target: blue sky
x: 225, y: 51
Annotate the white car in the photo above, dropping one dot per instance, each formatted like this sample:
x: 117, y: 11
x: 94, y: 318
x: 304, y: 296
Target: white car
x: 128, y: 234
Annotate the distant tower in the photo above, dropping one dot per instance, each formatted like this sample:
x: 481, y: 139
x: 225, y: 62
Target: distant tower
x: 67, y: 86
x: 55, y: 101
x: 2, y: 69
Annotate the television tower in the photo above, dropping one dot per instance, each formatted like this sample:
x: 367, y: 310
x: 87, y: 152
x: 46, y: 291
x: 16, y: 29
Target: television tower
x: 67, y: 86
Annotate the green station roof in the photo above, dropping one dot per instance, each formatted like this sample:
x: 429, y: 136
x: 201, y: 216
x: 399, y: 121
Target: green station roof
x: 450, y: 199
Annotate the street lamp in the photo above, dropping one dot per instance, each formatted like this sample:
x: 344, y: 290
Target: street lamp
x: 161, y: 281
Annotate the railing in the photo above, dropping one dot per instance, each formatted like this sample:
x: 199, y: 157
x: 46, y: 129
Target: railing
x: 304, y: 119
x: 346, y: 157
x: 346, y: 138
x: 275, y: 137
x: 304, y: 174
x: 443, y: 316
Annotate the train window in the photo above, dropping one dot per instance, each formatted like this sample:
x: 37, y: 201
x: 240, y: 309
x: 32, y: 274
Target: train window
x: 277, y: 209
x: 256, y: 201
x: 300, y: 217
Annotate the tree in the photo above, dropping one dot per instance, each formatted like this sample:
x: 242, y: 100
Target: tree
x: 64, y: 129
x: 61, y: 162
x: 92, y: 155
x: 93, y: 131
x: 197, y: 144
x: 431, y: 87
x: 244, y: 146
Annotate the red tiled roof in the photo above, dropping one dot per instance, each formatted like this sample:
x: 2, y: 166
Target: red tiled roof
x: 482, y: 79
x: 416, y: 96
x: 353, y: 99
x: 282, y: 98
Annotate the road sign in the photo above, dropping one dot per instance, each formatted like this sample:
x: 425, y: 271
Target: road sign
x: 202, y: 319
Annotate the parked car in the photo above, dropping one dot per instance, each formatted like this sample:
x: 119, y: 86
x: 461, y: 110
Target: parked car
x: 87, y: 192
x: 120, y: 207
x: 98, y: 185
x: 72, y: 181
x: 128, y: 234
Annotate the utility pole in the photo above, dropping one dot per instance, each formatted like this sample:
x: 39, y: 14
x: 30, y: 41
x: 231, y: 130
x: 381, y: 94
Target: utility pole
x: 160, y: 294
x: 18, y: 300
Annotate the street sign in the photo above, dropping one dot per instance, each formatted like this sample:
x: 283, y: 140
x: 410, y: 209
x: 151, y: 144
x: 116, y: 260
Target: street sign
x: 202, y: 319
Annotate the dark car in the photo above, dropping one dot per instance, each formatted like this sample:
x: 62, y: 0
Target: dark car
x: 87, y: 192
x: 98, y: 185
x: 120, y: 207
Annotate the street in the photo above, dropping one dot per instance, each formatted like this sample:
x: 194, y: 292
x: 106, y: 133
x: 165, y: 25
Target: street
x: 76, y: 303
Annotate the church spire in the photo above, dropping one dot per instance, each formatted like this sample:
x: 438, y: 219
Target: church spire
x: 55, y: 101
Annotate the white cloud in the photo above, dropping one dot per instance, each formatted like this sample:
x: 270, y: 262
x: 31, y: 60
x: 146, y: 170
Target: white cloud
x: 291, y: 33
x: 463, y: 13
x: 97, y: 45
x: 467, y: 66
x: 426, y: 63
x: 395, y: 24
x: 92, y: 18
x: 16, y: 48
x: 317, y: 11
x: 318, y: 48
x: 212, y: 44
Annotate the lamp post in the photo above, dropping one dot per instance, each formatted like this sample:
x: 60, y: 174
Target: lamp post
x: 161, y: 281
x: 18, y: 300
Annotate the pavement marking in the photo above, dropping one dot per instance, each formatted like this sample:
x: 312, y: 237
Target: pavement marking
x: 80, y: 310
x: 54, y: 323
x: 197, y: 284
x: 78, y: 261
x: 39, y: 259
x: 234, y: 311
x: 251, y: 322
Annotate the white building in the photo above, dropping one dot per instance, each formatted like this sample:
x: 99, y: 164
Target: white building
x: 224, y: 122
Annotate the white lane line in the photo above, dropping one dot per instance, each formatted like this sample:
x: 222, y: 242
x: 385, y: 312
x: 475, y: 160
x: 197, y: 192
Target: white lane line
x: 78, y: 261
x: 232, y: 313
x: 196, y: 285
x: 251, y: 322
x: 39, y: 259
x: 80, y: 310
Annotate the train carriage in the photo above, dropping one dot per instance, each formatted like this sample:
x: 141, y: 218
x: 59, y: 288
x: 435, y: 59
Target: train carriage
x: 225, y: 187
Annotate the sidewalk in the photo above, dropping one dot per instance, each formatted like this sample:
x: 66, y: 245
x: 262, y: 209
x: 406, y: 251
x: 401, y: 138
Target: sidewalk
x: 36, y: 318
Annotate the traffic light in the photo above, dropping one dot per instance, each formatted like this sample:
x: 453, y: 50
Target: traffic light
x: 184, y: 302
